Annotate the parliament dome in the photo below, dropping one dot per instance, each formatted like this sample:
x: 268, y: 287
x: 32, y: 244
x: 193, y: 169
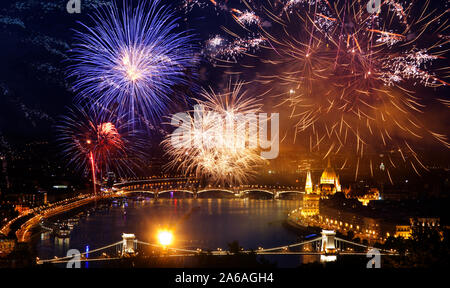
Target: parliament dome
x: 328, y: 175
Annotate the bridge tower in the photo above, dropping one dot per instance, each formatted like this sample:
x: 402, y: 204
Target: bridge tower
x: 328, y: 246
x: 276, y: 195
x: 128, y: 244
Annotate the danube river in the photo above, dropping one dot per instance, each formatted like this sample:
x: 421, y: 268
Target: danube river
x: 196, y: 223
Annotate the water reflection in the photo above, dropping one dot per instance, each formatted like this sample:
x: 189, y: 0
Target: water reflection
x: 197, y: 223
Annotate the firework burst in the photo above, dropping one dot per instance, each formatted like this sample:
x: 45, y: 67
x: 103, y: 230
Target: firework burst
x: 214, y: 140
x: 98, y: 142
x: 131, y: 60
x: 347, y: 74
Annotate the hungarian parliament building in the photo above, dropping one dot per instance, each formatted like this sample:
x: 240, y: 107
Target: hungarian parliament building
x: 328, y: 185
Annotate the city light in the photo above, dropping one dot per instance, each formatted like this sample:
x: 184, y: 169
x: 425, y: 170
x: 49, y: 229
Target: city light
x: 165, y: 237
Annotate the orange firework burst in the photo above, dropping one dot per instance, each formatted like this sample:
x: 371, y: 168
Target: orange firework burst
x: 347, y: 74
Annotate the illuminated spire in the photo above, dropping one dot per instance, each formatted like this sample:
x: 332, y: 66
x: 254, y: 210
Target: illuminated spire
x: 328, y: 175
x: 337, y: 184
x: 308, y: 185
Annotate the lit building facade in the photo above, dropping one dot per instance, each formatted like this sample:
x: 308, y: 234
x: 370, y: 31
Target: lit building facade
x: 310, y: 199
x: 310, y: 205
x: 403, y: 231
x: 371, y: 195
x: 329, y: 182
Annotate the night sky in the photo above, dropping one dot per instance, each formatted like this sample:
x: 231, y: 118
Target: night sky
x: 36, y: 38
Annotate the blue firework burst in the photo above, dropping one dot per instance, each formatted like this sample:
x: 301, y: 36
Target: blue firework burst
x: 131, y: 59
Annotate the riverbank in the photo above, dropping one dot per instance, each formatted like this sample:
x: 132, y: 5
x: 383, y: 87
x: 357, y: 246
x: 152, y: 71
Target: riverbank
x: 23, y: 233
x: 343, y: 223
x: 301, y: 229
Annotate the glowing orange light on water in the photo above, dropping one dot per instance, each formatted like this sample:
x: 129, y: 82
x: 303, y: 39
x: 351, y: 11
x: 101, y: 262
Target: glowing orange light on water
x: 165, y: 237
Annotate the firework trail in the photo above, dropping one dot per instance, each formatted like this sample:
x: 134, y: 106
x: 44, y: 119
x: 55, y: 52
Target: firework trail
x: 100, y: 140
x: 347, y: 74
x: 214, y: 141
x: 130, y: 60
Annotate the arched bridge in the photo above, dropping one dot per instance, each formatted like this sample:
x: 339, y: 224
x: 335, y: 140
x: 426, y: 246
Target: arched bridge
x: 199, y: 193
x: 189, y: 186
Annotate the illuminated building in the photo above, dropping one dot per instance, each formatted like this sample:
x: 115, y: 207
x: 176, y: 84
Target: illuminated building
x: 329, y: 185
x: 403, y: 231
x: 6, y: 246
x: 329, y: 182
x: 406, y: 230
x: 310, y: 205
x: 328, y: 175
x: 363, y: 197
x: 425, y: 222
x: 311, y: 198
x: 373, y: 194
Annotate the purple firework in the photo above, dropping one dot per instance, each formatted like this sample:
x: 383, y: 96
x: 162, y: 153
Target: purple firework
x: 131, y: 58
